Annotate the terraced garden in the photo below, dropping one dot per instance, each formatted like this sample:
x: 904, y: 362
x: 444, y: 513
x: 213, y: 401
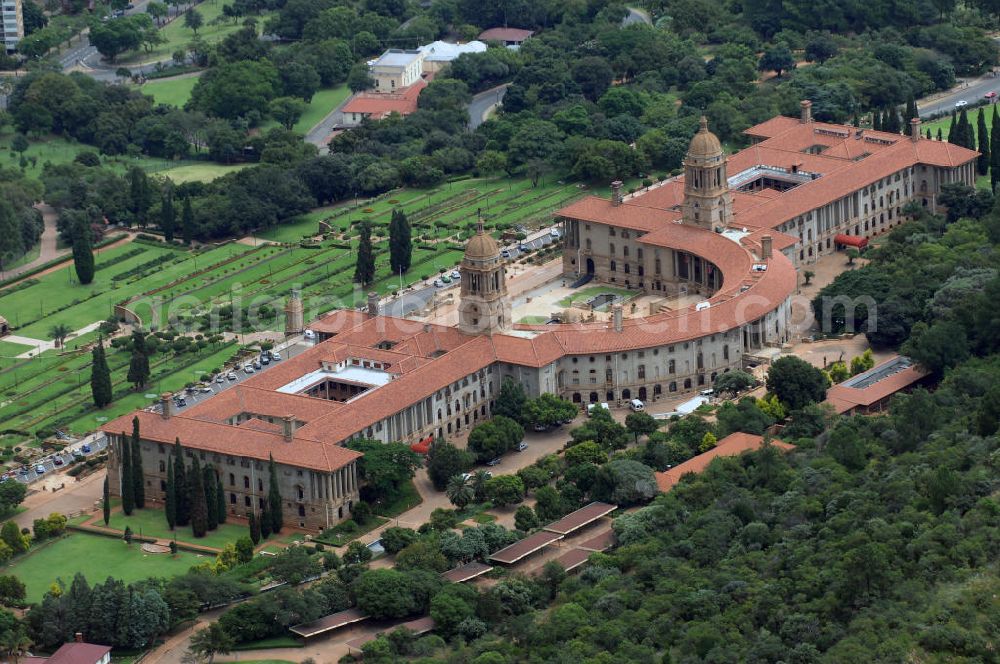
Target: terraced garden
x: 234, y: 287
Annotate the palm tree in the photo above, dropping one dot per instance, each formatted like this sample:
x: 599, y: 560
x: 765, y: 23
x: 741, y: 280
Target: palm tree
x: 808, y: 274
x: 479, y: 479
x: 58, y: 333
x: 460, y: 491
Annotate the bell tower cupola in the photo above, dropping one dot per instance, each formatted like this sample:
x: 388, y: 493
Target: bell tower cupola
x: 484, y: 307
x: 707, y: 202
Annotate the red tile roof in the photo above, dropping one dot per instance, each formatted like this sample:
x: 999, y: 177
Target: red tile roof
x: 505, y: 34
x: 79, y: 653
x: 378, y: 105
x: 732, y: 445
x: 844, y: 397
x: 580, y: 518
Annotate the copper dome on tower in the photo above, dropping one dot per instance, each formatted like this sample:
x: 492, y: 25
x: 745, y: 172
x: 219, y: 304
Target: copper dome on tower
x: 482, y: 245
x: 704, y: 143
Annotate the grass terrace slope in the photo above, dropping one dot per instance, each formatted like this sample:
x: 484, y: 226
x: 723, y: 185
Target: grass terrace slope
x: 171, y: 91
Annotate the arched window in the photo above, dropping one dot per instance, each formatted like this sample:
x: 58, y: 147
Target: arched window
x: 626, y: 394
x: 614, y: 267
x: 163, y: 467
x: 611, y: 248
x: 246, y: 482
x: 232, y: 480
x: 687, y: 383
x: 577, y: 398
x: 673, y: 387
x: 642, y: 371
x: 593, y: 397
x: 657, y: 390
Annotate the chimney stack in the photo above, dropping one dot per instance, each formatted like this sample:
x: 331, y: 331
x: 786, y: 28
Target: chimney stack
x: 765, y: 247
x: 616, y: 193
x: 78, y: 637
x: 373, y: 308
x: 616, y: 310
x: 288, y: 427
x: 166, y: 406
x: 915, y: 129
x: 806, y: 107
x: 294, y: 315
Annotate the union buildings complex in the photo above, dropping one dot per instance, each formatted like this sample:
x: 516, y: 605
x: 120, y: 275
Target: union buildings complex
x: 731, y: 233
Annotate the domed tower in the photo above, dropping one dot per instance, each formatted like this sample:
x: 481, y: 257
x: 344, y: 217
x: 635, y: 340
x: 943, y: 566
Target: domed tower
x: 707, y: 202
x: 483, y: 306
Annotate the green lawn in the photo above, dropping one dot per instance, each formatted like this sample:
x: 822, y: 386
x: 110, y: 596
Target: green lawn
x: 58, y: 150
x: 201, y: 171
x: 587, y: 293
x: 273, y: 642
x: 151, y: 522
x: 407, y: 499
x: 11, y: 349
x: 96, y: 558
x: 177, y: 36
x: 170, y: 91
x: 324, y: 101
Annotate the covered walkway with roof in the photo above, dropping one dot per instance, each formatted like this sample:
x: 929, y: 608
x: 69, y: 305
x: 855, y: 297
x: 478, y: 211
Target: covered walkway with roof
x: 328, y: 623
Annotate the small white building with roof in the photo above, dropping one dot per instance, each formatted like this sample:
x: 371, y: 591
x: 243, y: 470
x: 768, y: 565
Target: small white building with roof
x: 396, y: 69
x: 438, y: 54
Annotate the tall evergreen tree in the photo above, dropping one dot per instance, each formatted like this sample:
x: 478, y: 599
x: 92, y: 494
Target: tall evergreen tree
x: 952, y: 127
x: 254, y: 528
x: 892, y: 123
x: 929, y: 133
x: 83, y: 253
x: 168, y: 217
x: 983, y: 161
x: 220, y: 498
x: 127, y: 484
x: 877, y: 120
x: 400, y: 242
x: 274, y: 498
x: 211, y: 501
x: 170, y: 506
x: 187, y: 222
x: 199, y: 505
x: 939, y: 136
x: 966, y: 137
x: 106, y: 502
x: 909, y: 114
x: 183, y: 511
x: 138, y: 477
x: 138, y: 368
x: 995, y: 151
x: 364, y: 269
x: 140, y: 195
x: 264, y: 519
x: 100, y: 376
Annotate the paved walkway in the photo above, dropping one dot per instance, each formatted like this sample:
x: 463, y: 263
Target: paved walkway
x: 78, y: 496
x: 39, y: 346
x: 49, y: 249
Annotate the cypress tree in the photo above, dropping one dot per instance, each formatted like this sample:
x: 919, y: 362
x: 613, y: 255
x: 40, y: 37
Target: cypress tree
x: 139, y: 194
x: 274, y: 498
x: 265, y: 521
x: 138, y: 478
x: 965, y: 131
x: 106, y: 503
x: 100, y: 376
x: 995, y: 153
x: 877, y: 120
x: 909, y: 114
x: 83, y: 254
x: 892, y: 120
x: 220, y: 498
x: 211, y: 501
x: 364, y: 268
x: 170, y: 509
x: 182, y: 509
x: 952, y: 135
x: 254, y: 528
x: 128, y: 485
x: 168, y: 217
x: 400, y: 242
x: 187, y: 222
x: 199, y: 505
x: 939, y: 136
x: 929, y: 134
x: 138, y: 368
x: 983, y: 161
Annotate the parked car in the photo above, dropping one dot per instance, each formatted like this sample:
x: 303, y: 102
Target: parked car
x: 540, y: 427
x: 445, y: 279
x: 991, y: 95
x: 256, y: 364
x: 505, y: 253
x: 85, y: 449
x: 220, y: 379
x: 231, y: 375
x: 554, y: 232
x: 23, y: 471
x: 309, y: 334
x: 40, y: 469
x: 264, y: 359
x: 58, y: 461
x: 248, y: 368
x: 524, y: 248
x: 180, y: 402
x: 438, y: 283
x: 455, y: 274
x: 205, y: 389
x: 276, y: 356
x: 522, y: 446
x: 637, y: 406
x: 493, y: 462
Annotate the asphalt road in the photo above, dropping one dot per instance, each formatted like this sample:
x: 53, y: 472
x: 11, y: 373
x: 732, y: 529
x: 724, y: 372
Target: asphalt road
x: 196, y: 395
x: 974, y: 91
x: 483, y: 102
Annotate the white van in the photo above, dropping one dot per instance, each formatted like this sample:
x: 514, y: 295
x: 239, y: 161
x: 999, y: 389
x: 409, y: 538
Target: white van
x: 637, y: 406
